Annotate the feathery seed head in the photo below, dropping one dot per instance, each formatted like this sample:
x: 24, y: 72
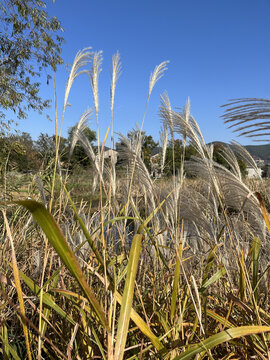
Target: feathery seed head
x: 156, y: 75
x: 116, y: 72
x: 79, y: 128
x: 82, y: 59
x: 94, y: 74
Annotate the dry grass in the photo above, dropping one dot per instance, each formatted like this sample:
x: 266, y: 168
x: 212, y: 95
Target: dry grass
x: 170, y: 269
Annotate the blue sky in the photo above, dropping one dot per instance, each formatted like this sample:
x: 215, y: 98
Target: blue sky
x: 218, y: 50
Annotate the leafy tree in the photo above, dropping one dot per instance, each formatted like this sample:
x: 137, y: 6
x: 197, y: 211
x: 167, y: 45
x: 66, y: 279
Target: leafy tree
x: 178, y: 156
x: 147, y: 149
x: 29, y: 42
x: 45, y: 145
x: 177, y: 148
x: 25, y: 157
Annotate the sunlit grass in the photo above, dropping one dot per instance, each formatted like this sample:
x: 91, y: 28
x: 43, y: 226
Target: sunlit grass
x: 140, y: 268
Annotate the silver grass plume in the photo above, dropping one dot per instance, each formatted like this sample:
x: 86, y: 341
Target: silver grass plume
x: 163, y: 134
x: 156, y: 75
x: 127, y: 152
x: 116, y: 72
x: 191, y: 131
x: 79, y: 136
x: 242, y: 152
x: 249, y: 117
x: 166, y: 113
x: 229, y: 156
x: 186, y: 115
x: 228, y: 189
x: 94, y: 75
x: 79, y: 128
x: 82, y: 58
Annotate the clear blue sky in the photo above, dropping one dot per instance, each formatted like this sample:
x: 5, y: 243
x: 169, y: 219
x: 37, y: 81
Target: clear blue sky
x: 218, y: 50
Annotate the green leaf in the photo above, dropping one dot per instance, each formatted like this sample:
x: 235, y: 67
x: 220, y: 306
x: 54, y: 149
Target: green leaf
x: 133, y: 315
x: 123, y: 323
x: 10, y: 348
x: 223, y: 336
x: 213, y: 279
x: 47, y: 299
x: 57, y: 240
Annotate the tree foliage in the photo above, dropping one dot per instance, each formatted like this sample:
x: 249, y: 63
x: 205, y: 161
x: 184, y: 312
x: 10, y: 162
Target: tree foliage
x: 175, y: 153
x: 29, y: 42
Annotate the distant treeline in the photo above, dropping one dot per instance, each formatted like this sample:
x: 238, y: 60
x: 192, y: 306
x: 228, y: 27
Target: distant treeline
x: 19, y: 152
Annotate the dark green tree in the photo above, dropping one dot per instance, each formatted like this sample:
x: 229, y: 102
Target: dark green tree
x: 147, y: 149
x: 26, y: 157
x: 174, y: 157
x: 45, y: 145
x: 29, y: 43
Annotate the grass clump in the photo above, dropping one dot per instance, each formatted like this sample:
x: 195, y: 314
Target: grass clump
x: 123, y: 266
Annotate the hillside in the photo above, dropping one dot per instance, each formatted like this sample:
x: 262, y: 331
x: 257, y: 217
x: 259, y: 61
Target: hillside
x: 259, y: 151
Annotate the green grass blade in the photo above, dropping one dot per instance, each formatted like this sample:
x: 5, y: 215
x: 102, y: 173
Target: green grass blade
x: 150, y: 217
x: 133, y: 315
x: 47, y: 299
x: 57, y: 240
x: 219, y: 318
x: 176, y: 282
x: 8, y: 349
x: 209, y: 263
x: 47, y: 310
x: 123, y: 323
x: 85, y: 231
x: 255, y: 247
x: 18, y: 287
x: 223, y: 336
x: 221, y: 272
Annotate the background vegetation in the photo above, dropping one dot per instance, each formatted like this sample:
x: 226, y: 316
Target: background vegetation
x: 102, y: 260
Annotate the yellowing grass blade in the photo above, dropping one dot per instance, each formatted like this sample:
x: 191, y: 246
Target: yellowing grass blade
x: 123, y: 323
x: 47, y: 299
x: 264, y: 211
x: 18, y: 287
x: 8, y: 350
x: 219, y: 318
x: 85, y: 231
x: 133, y: 315
x: 255, y: 252
x: 223, y: 336
x: 176, y: 277
x: 57, y: 240
x: 221, y: 272
x: 150, y: 217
